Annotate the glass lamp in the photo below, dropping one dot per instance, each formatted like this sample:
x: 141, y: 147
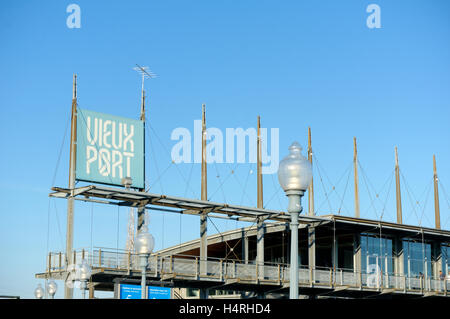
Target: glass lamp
x: 295, y: 171
x: 294, y: 175
x: 39, y: 292
x: 144, y: 243
x: 51, y: 288
x: 84, y: 275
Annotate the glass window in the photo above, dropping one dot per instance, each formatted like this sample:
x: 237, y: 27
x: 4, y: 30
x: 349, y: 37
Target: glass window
x: 376, y: 254
x: 417, y: 258
x: 446, y: 259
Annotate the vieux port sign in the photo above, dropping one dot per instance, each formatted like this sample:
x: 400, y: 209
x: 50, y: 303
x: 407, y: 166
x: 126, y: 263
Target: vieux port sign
x: 109, y: 148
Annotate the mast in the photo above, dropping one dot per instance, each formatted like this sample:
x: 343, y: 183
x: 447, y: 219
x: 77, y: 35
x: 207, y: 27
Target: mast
x: 141, y: 209
x: 68, y: 291
x: 436, y: 196
x: 311, y: 186
x: 204, y: 195
x: 203, y: 216
x: 355, y: 166
x: 311, y: 229
x: 397, y: 189
x: 260, y: 220
x: 259, y: 166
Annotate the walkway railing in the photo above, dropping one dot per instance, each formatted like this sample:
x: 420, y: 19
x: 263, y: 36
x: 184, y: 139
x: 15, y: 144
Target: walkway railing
x: 225, y: 270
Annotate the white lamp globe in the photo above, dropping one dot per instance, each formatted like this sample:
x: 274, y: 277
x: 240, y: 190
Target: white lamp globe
x: 295, y: 171
x: 52, y: 287
x: 144, y: 243
x: 39, y: 292
x: 84, y: 271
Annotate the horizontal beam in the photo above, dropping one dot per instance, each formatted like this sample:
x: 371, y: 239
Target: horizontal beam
x: 123, y: 197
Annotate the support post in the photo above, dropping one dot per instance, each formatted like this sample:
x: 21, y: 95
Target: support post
x: 91, y: 291
x: 311, y: 247
x: 68, y: 292
x: 203, y: 217
x: 357, y: 255
x: 311, y: 186
x: 141, y: 209
x: 294, y: 209
x: 260, y: 220
x: 260, y: 246
x: 436, y: 257
x: 436, y: 196
x: 355, y: 168
x: 245, y: 249
x: 398, y: 252
x: 397, y: 189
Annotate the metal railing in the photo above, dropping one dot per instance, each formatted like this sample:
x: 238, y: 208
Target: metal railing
x: 268, y: 273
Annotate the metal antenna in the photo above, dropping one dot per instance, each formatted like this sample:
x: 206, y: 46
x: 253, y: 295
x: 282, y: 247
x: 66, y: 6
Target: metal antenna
x: 145, y: 73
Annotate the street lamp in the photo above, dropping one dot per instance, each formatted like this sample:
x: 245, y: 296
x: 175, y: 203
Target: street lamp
x: 84, y: 275
x: 294, y: 175
x: 51, y: 288
x: 144, y: 246
x: 39, y: 292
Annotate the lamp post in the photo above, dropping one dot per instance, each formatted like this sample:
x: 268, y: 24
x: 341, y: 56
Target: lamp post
x: 84, y: 276
x: 39, y: 292
x: 144, y: 246
x: 294, y: 175
x: 51, y: 288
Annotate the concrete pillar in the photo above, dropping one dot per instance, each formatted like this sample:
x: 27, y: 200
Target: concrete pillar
x: 245, y: 249
x: 357, y: 253
x: 260, y: 247
x: 311, y: 247
x: 436, y: 259
x: 204, y: 293
x: 91, y: 291
x: 399, y: 256
x: 334, y: 253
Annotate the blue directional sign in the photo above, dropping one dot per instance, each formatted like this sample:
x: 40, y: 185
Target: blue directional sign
x: 130, y: 292
x: 134, y: 292
x: 159, y: 292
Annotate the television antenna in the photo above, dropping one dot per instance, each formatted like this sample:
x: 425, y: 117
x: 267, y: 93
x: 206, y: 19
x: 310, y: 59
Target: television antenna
x: 145, y: 73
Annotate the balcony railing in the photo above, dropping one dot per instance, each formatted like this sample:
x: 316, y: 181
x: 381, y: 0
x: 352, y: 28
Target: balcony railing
x: 188, y: 267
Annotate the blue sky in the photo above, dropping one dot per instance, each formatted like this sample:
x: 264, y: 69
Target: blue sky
x: 297, y: 64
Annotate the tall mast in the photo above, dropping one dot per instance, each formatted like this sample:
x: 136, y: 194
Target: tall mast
x: 143, y: 100
x: 397, y: 189
x: 68, y: 292
x: 259, y: 166
x: 145, y: 72
x: 260, y: 220
x: 355, y: 166
x: 311, y: 186
x: 141, y: 209
x: 204, y: 195
x: 203, y: 216
x: 437, y: 215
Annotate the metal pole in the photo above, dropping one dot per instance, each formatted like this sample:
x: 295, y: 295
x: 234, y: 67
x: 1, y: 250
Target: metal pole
x: 355, y: 167
x: 294, y: 209
x: 436, y: 196
x: 260, y: 221
x: 203, y: 216
x: 397, y: 189
x: 68, y: 292
x: 143, y: 278
x: 141, y: 209
x: 311, y: 186
x: 259, y: 166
